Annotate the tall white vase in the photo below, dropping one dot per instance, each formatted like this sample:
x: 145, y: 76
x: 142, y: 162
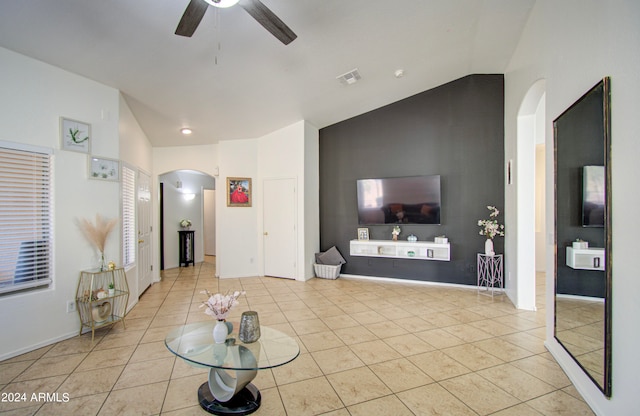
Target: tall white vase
x: 220, y: 332
x: 488, y: 247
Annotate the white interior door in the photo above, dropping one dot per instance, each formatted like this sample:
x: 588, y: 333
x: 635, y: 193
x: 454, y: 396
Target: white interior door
x: 145, y: 274
x: 280, y: 227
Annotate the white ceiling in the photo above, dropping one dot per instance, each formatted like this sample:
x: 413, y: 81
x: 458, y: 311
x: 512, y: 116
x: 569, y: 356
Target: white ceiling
x: 234, y: 80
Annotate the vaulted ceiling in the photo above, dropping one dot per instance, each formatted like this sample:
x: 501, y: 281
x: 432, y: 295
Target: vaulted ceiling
x: 232, y: 79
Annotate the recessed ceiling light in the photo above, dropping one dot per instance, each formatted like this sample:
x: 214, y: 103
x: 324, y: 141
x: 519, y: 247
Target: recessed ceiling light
x: 186, y: 131
x: 399, y: 73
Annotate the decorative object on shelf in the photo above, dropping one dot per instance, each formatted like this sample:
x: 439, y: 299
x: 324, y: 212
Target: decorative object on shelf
x: 412, y: 238
x: 580, y: 244
x: 220, y: 332
x: 411, y: 253
x: 75, y: 135
x: 185, y: 223
x: 97, y: 234
x: 441, y: 240
x: 100, y: 312
x: 238, y: 192
x: 104, y: 169
x: 363, y: 233
x: 395, y: 233
x: 490, y: 229
x: 249, y: 327
x: 112, y: 287
x: 219, y: 307
x: 112, y: 265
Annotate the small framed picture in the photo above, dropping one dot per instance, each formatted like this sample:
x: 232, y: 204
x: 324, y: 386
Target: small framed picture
x: 238, y: 192
x: 104, y: 169
x: 75, y: 135
x: 363, y: 233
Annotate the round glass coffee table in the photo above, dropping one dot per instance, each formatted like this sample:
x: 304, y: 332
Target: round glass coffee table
x: 226, y: 393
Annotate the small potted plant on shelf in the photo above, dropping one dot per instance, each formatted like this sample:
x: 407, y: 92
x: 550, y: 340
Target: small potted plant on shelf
x: 112, y: 289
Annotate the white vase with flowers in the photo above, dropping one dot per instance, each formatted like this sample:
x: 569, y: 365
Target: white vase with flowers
x: 219, y: 306
x: 490, y: 228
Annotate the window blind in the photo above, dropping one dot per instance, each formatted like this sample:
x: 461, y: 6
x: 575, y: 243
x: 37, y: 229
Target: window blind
x: 128, y: 216
x: 26, y: 205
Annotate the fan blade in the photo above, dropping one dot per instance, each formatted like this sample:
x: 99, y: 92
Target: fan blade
x: 191, y: 18
x: 268, y: 20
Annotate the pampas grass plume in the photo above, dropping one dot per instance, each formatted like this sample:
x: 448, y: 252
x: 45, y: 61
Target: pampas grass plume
x: 97, y: 234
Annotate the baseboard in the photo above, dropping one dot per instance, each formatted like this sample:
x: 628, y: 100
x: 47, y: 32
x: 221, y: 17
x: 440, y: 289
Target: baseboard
x: 34, y: 347
x: 412, y: 281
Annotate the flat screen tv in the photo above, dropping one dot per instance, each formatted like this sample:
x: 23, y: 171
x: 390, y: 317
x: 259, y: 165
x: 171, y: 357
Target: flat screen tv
x: 404, y: 200
x: 593, y: 196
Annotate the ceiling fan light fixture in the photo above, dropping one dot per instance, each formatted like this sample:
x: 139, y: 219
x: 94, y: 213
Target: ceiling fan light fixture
x: 222, y: 3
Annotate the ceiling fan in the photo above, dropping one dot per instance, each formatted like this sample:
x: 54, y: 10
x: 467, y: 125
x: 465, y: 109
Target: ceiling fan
x: 196, y: 9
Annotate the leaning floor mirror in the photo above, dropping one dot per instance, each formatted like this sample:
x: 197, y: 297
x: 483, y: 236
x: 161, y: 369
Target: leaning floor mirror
x: 583, y: 233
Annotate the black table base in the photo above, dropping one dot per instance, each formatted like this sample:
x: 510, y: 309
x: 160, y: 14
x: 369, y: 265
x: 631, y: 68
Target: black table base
x: 245, y: 402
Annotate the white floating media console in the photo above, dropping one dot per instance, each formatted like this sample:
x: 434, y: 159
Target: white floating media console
x: 419, y: 250
x: 585, y: 258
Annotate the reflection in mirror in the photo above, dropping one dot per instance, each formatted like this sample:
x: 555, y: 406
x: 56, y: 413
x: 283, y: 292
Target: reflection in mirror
x: 583, y: 233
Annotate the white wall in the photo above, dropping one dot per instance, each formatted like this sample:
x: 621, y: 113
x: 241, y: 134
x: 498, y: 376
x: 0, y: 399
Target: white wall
x: 237, y: 227
x: 135, y: 151
x: 293, y: 152
x: 209, y: 222
x: 290, y: 152
x: 311, y: 197
x: 572, y: 45
x: 34, y: 96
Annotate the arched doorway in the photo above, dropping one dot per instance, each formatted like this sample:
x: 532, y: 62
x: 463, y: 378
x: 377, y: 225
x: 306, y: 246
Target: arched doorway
x: 186, y: 194
x: 530, y: 191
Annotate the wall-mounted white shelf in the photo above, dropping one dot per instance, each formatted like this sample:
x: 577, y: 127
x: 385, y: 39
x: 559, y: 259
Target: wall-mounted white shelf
x: 586, y: 258
x: 419, y: 250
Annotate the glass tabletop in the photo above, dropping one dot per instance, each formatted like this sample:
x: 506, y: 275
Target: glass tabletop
x: 194, y: 343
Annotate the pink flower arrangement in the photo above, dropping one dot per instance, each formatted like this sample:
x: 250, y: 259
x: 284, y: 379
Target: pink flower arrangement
x: 219, y: 305
x: 490, y: 227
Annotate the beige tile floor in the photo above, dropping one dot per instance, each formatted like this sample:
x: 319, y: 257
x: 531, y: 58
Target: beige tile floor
x: 367, y: 348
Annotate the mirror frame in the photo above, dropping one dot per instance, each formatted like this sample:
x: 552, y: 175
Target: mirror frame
x: 605, y: 83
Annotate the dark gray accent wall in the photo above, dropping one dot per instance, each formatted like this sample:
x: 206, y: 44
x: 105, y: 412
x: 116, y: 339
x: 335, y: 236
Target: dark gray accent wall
x: 456, y: 131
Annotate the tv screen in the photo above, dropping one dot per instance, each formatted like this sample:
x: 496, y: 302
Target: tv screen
x: 593, y: 196
x: 405, y: 200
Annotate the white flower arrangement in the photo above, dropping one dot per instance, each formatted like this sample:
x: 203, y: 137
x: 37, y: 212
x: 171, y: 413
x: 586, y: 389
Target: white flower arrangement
x: 490, y: 227
x: 218, y: 305
x: 396, y: 230
x: 185, y: 223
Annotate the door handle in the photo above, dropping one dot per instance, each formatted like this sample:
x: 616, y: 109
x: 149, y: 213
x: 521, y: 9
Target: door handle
x: 140, y: 241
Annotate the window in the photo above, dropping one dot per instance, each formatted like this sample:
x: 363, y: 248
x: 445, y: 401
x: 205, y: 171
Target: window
x: 26, y: 205
x: 128, y: 216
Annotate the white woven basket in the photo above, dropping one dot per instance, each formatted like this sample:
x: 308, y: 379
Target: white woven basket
x: 327, y: 271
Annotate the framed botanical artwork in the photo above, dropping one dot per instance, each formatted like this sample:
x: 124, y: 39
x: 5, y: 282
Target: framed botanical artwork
x: 75, y: 135
x: 104, y: 169
x: 238, y: 192
x: 363, y: 233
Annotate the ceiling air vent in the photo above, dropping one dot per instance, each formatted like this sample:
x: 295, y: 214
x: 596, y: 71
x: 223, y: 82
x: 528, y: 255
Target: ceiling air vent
x: 350, y: 77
